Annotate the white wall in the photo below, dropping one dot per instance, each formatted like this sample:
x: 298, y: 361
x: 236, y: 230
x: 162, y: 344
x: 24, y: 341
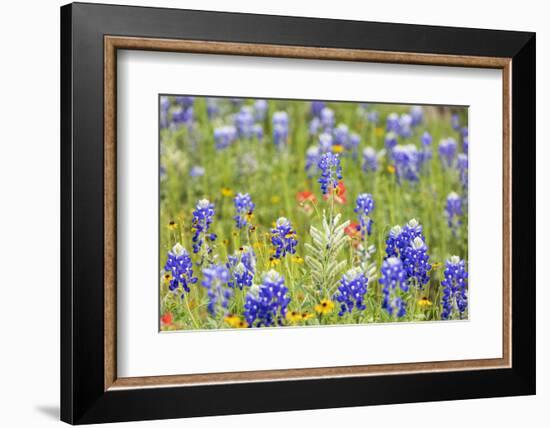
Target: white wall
x: 29, y: 213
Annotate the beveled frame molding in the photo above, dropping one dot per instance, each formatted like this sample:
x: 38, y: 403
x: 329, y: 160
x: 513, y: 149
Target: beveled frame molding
x: 114, y: 43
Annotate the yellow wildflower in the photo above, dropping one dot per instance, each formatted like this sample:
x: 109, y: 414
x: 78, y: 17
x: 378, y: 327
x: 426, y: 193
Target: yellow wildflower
x: 391, y: 169
x: 235, y: 321
x: 226, y: 191
x: 436, y: 265
x: 297, y: 260
x: 273, y: 262
x: 293, y: 317
x: 275, y: 200
x: 337, y: 148
x: 424, y: 302
x: 326, y: 306
x: 172, y: 225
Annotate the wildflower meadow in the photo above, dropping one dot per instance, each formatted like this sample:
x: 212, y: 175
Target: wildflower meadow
x: 281, y: 213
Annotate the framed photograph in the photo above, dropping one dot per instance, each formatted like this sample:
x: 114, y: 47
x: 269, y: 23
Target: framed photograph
x: 265, y: 213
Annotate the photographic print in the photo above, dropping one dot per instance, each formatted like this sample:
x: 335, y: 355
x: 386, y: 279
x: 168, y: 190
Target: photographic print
x: 277, y: 213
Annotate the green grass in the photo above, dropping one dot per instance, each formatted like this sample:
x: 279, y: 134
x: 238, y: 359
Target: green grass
x: 273, y: 183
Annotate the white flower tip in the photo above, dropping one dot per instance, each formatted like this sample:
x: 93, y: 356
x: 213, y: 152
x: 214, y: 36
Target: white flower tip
x: 203, y: 203
x: 396, y: 230
x: 178, y: 249
x: 413, y: 222
x: 453, y: 195
x: 281, y: 221
x: 454, y: 260
x: 392, y: 261
x: 417, y: 243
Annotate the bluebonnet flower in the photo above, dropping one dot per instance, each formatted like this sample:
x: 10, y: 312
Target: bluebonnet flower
x: 179, y: 270
x: 244, y: 121
x: 266, y: 304
x: 314, y: 125
x: 352, y: 143
x: 417, y: 115
x: 280, y: 128
x: 373, y: 117
x: 426, y: 151
x: 447, y: 151
x: 215, y: 279
x: 370, y: 160
x: 364, y: 207
x: 393, y: 278
x: 455, y: 122
x: 462, y: 165
x: 260, y: 110
x: 464, y: 134
x: 212, y: 107
x: 417, y: 262
x: 352, y: 290
x: 183, y: 113
x: 283, y: 238
x: 312, y: 159
x: 164, y: 107
x: 196, y: 171
x: 453, y: 210
x: 390, y: 141
x: 242, y: 268
x: 224, y: 136
x: 258, y: 131
x: 317, y: 107
x: 399, y: 238
x: 327, y: 119
x: 405, y: 125
x: 341, y: 135
x: 185, y: 101
x: 202, y: 219
x: 408, y: 161
x: 325, y: 142
x: 408, y: 244
x: 455, y: 289
x: 392, y: 123
x: 244, y: 208
x: 426, y: 139
x: 331, y: 171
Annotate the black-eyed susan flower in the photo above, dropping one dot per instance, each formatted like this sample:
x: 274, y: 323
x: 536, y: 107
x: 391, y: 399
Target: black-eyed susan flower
x: 235, y: 321
x: 324, y: 307
x: 297, y: 259
x: 227, y: 192
x: 172, y: 225
x: 306, y: 316
x: 293, y: 317
x: 424, y: 302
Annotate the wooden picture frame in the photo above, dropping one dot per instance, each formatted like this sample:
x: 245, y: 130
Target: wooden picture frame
x: 91, y: 390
